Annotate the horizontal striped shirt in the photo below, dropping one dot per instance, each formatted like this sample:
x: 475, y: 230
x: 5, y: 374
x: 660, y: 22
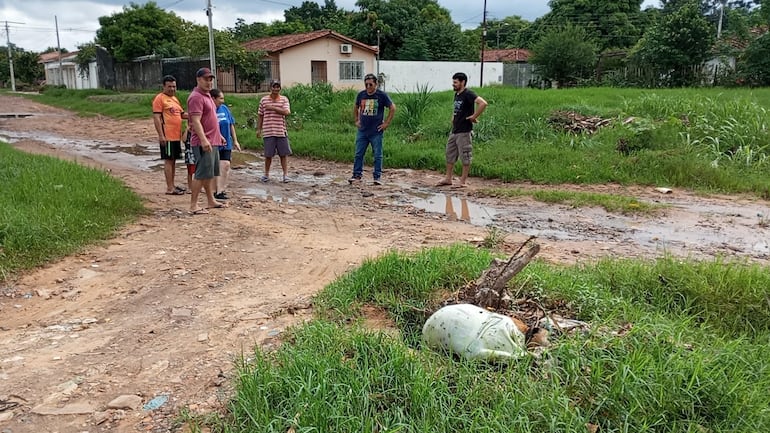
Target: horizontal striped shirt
x: 273, y: 124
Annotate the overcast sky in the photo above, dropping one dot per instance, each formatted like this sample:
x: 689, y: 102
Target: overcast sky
x: 31, y: 23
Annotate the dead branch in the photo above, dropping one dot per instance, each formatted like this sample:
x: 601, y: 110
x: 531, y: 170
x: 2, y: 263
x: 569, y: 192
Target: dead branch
x: 489, y: 290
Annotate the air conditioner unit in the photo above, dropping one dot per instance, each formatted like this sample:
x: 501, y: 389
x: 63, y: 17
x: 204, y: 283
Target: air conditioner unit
x: 346, y: 48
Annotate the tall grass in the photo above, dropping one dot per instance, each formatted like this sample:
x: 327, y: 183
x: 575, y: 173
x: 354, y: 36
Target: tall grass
x: 51, y: 208
x: 726, y: 131
x: 674, y: 346
x: 703, y: 139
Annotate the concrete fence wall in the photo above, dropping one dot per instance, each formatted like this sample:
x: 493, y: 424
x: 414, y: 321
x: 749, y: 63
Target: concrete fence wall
x: 407, y: 76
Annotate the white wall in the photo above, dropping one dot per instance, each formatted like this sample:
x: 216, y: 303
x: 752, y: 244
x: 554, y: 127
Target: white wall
x: 71, y: 77
x: 405, y: 76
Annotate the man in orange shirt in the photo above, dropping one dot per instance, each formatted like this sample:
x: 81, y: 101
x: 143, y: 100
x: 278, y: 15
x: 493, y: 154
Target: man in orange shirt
x: 167, y: 114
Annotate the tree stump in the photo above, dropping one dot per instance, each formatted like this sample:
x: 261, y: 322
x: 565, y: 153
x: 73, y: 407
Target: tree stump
x: 489, y: 290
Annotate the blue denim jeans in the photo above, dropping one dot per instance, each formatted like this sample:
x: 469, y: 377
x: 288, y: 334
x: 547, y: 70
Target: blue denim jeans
x: 362, y: 143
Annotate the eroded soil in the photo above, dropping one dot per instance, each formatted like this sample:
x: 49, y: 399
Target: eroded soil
x: 165, y: 307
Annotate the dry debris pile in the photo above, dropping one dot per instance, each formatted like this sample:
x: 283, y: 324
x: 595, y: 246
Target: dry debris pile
x: 576, y: 123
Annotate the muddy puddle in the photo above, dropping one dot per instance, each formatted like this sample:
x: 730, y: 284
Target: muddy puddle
x: 689, y: 226
x: 125, y: 155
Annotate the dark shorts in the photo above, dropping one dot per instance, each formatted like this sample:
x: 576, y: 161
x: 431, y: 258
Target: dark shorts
x: 225, y: 154
x: 278, y: 145
x: 171, y: 150
x: 206, y: 163
x: 459, y: 146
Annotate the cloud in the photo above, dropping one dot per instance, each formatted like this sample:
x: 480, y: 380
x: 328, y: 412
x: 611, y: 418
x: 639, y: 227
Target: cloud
x: 32, y: 27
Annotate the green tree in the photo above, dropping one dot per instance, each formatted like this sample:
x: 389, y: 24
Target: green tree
x: 26, y: 69
x: 86, y: 54
x: 612, y: 23
x: 754, y: 66
x: 763, y: 12
x: 677, y: 46
x: 280, y: 28
x: 243, y: 32
x: 409, y: 29
x: 229, y: 52
x: 564, y: 55
x: 140, y: 31
x: 54, y: 50
x: 440, y: 41
x: 328, y: 16
x: 503, y: 33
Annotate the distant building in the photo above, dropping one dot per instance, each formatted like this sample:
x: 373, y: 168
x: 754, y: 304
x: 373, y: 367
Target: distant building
x: 513, y: 55
x: 321, y: 56
x: 64, y: 71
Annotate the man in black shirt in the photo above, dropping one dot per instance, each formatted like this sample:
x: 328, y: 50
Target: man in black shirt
x: 467, y: 108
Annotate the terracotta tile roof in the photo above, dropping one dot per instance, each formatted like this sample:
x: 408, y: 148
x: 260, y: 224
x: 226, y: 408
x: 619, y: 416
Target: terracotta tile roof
x: 514, y: 55
x: 53, y: 56
x: 741, y: 44
x: 277, y: 43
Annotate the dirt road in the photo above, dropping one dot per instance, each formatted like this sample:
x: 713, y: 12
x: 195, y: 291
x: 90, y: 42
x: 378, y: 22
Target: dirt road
x: 160, y: 311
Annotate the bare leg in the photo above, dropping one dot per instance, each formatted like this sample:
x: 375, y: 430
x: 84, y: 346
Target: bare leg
x: 268, y: 162
x: 285, y: 165
x: 208, y: 186
x: 464, y: 176
x: 224, y: 168
x: 224, y: 175
x: 196, y: 190
x: 449, y: 172
x: 168, y: 171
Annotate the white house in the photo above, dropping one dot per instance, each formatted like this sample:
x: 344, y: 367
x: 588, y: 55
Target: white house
x: 64, y: 71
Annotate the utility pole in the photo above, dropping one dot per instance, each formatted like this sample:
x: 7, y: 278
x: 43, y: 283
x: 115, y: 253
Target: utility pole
x: 212, y: 58
x: 721, y: 16
x: 58, y: 48
x: 483, y: 43
x: 378, y: 55
x: 10, y: 54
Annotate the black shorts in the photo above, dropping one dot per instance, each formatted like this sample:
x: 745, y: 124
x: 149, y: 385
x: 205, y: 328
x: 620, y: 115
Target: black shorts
x: 171, y: 150
x: 225, y: 154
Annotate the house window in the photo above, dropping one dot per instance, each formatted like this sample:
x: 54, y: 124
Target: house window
x: 351, y: 71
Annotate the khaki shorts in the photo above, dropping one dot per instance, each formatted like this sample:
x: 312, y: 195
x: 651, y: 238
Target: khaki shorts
x: 459, y: 146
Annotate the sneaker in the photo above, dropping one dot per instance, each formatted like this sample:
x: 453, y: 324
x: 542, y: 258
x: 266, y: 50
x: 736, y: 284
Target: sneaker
x: 221, y: 196
x: 264, y: 178
x: 377, y: 182
x: 354, y: 179
x: 285, y: 179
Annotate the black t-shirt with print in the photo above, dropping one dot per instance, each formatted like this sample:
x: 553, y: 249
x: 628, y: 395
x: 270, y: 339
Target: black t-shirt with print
x: 464, y: 107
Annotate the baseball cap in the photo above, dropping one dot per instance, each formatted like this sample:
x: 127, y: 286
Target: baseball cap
x: 275, y: 83
x: 204, y: 72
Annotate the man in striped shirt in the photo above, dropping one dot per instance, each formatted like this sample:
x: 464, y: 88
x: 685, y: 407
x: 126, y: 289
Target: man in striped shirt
x: 271, y: 125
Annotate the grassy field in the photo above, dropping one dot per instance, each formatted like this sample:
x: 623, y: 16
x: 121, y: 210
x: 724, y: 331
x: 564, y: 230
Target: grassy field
x: 672, y: 347
x: 50, y: 208
x: 710, y: 140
